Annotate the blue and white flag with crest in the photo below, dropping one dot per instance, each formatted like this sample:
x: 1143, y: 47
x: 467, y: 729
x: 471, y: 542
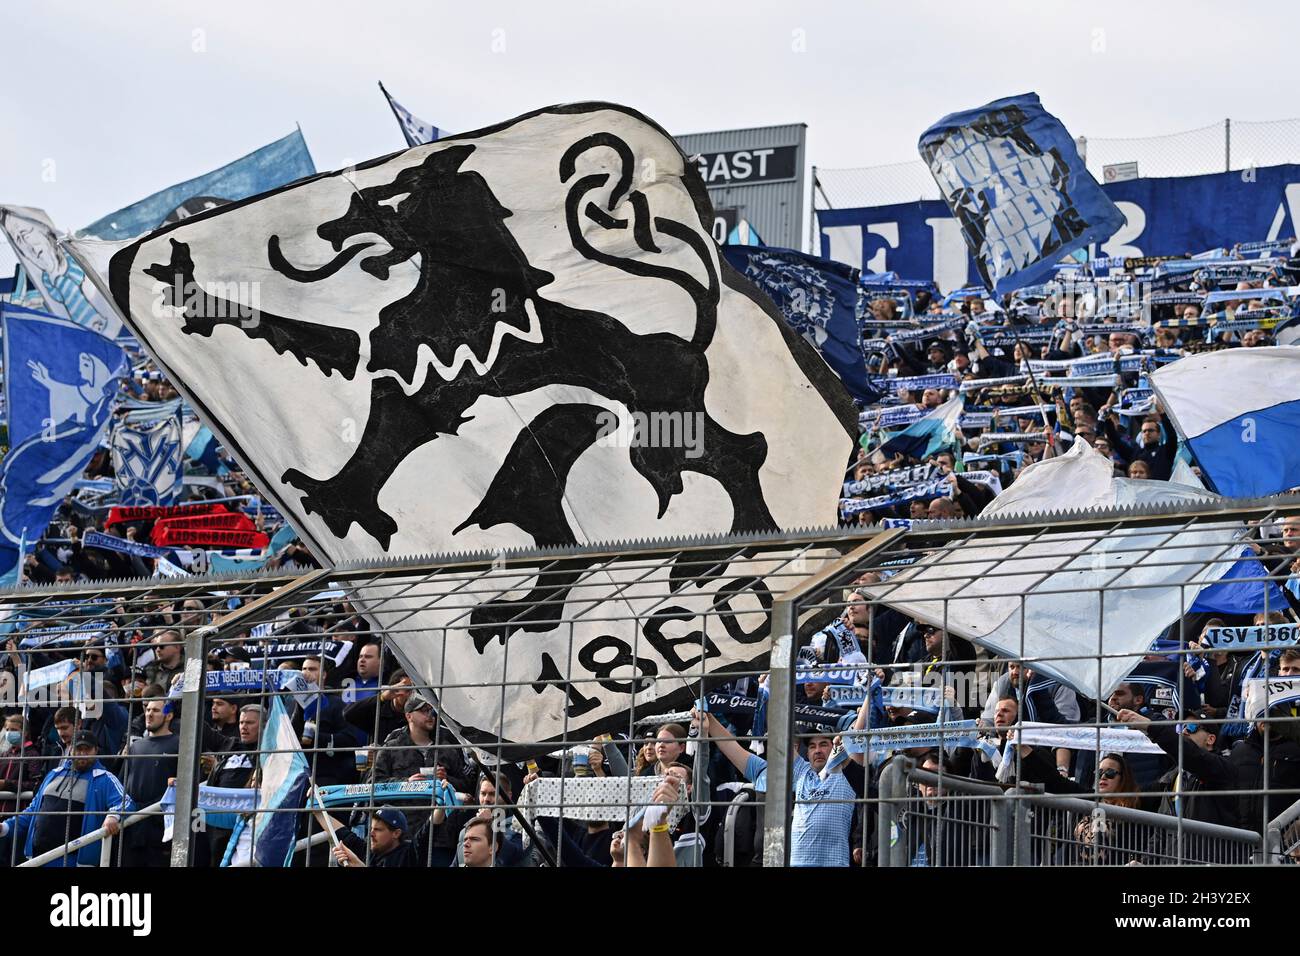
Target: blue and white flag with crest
x: 60, y: 383
x: 1013, y: 178
x: 819, y: 299
x: 147, y: 462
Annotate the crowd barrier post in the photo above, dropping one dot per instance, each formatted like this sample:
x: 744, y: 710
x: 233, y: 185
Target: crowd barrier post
x: 782, y: 743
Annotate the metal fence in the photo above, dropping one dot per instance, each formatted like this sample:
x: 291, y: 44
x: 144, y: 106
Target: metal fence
x: 729, y: 618
x: 959, y: 822
x: 1219, y: 147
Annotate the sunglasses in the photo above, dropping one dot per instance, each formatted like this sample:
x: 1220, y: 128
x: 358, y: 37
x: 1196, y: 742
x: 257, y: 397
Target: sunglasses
x: 1108, y: 774
x: 1190, y: 728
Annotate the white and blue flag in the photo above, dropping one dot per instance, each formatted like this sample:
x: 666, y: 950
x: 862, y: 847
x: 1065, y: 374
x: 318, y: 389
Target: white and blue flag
x: 147, y: 462
x: 60, y: 382
x: 931, y: 434
x: 416, y: 130
x: 1015, y: 182
x: 64, y: 287
x: 1239, y: 412
x: 269, y: 839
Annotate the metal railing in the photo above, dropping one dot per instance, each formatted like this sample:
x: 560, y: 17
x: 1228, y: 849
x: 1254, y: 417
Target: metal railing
x: 742, y: 797
x: 961, y: 822
x: 1282, y: 836
x: 72, y: 847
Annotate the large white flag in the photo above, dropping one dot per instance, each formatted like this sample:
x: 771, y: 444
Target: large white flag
x: 515, y: 337
x: 1064, y: 599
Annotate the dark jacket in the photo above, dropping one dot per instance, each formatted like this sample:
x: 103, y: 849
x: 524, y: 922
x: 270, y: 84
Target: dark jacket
x: 361, y: 714
x: 1223, y: 682
x: 235, y: 766
x: 152, y: 760
x: 21, y: 771
x: 973, y: 497
x: 401, y: 856
x: 1247, y: 759
x: 1160, y: 457
x: 399, y: 758
x: 333, y: 760
x: 1202, y: 770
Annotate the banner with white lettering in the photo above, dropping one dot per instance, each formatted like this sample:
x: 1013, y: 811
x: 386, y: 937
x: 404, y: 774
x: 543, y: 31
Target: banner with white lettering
x: 1259, y: 637
x: 1012, y: 176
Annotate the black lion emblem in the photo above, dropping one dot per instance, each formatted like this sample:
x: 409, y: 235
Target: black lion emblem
x: 472, y: 277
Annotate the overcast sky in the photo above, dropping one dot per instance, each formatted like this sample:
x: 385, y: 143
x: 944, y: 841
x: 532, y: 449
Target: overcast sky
x: 126, y: 98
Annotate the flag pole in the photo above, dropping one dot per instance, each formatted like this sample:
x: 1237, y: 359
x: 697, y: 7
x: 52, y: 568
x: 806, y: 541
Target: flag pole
x: 333, y: 837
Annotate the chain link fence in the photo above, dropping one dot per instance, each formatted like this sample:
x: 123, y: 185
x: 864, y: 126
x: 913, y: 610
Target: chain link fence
x: 231, y: 689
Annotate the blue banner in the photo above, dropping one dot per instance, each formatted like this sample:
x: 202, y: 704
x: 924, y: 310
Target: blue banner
x: 1167, y: 216
x: 429, y: 792
x: 60, y: 382
x: 819, y: 299
x: 271, y: 166
x: 108, y: 542
x: 1011, y: 175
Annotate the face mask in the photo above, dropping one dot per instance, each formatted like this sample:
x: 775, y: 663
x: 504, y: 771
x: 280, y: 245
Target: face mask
x: 13, y: 737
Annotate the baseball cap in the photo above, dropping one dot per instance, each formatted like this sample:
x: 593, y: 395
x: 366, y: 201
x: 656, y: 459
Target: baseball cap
x: 392, y: 818
x: 84, y: 738
x: 414, y: 703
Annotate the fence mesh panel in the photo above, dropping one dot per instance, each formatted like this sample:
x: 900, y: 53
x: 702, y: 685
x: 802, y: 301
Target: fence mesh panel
x: 786, y: 767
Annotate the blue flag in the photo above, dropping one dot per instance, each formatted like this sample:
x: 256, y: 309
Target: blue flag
x: 1244, y: 589
x: 1013, y: 178
x: 819, y: 299
x: 203, y: 450
x: 60, y: 382
x: 147, y: 462
x: 416, y: 130
x: 271, y: 166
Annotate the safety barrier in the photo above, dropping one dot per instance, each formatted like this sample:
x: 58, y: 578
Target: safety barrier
x: 958, y: 822
x: 734, y: 615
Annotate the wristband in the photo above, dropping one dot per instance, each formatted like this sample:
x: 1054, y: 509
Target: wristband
x: 659, y: 828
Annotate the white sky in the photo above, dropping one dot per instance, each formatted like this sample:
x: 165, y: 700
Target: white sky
x: 116, y: 95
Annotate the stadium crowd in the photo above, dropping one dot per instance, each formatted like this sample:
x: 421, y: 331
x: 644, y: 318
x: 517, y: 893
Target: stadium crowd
x: 1038, y: 370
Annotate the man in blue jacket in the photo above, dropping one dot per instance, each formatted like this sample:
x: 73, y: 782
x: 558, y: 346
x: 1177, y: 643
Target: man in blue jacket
x: 75, y: 798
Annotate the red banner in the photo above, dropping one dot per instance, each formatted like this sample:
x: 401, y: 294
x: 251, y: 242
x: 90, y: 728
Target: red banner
x: 226, y: 521
x: 119, y: 514
x: 175, y: 537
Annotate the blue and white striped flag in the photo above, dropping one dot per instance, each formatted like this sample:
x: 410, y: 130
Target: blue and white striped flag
x: 1239, y: 412
x: 270, y: 839
x: 931, y: 434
